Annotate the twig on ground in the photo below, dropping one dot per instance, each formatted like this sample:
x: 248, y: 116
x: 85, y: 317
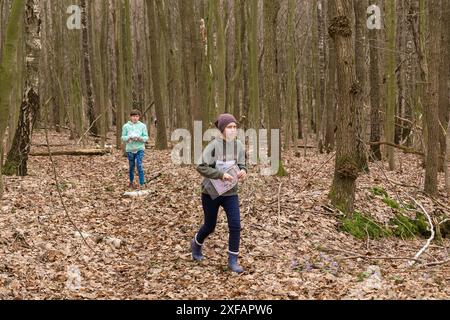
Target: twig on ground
x: 378, y: 258
x: 436, y: 201
x: 153, y: 178
x: 431, y: 230
x: 358, y: 255
x: 368, y: 239
x: 436, y: 263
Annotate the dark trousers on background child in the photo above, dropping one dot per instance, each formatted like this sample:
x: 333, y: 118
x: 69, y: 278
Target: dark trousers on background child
x: 211, y: 208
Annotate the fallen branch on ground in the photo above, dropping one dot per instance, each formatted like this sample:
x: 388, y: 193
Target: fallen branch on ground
x: 358, y: 255
x: 52, y: 145
x: 153, y: 178
x: 436, y: 263
x: 403, y: 148
x: 77, y: 152
x: 431, y: 230
x: 377, y: 258
x: 305, y: 146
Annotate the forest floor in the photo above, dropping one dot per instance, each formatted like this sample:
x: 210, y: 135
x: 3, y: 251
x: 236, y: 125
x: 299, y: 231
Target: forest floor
x: 291, y: 245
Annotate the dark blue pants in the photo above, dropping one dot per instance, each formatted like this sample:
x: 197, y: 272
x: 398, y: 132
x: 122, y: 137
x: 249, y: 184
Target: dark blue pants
x: 211, y: 208
x: 133, y: 159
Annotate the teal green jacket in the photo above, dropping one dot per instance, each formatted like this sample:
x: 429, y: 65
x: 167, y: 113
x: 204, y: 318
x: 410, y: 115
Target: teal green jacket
x: 132, y: 130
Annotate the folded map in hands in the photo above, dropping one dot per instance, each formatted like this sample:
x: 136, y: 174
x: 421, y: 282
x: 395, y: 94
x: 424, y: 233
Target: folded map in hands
x: 222, y: 186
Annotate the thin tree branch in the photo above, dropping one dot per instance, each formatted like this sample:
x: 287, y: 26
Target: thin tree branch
x: 92, y: 124
x: 431, y: 229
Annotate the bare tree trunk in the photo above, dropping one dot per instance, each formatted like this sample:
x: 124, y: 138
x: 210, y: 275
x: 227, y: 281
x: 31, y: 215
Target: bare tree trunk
x: 220, y: 65
x: 271, y: 86
x: 7, y: 60
x: 331, y: 88
x: 103, y: 47
x: 298, y: 91
x: 245, y: 63
x: 239, y: 37
x: 97, y: 58
x: 17, y: 94
x: 175, y: 73
x: 360, y: 55
x: 314, y: 82
x: 375, y: 130
x: 291, y: 134
x: 128, y: 58
x: 2, y: 25
x: 401, y: 126
x: 432, y: 111
x: 16, y: 162
x: 87, y: 69
x: 391, y: 84
x: 447, y: 161
x: 444, y: 82
x: 320, y: 92
x: 209, y: 72
x: 188, y: 35
x: 342, y: 191
x: 120, y: 90
x: 429, y: 74
x: 161, y: 136
x: 252, y: 19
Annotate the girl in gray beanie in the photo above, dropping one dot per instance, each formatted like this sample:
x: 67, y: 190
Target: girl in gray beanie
x: 223, y: 164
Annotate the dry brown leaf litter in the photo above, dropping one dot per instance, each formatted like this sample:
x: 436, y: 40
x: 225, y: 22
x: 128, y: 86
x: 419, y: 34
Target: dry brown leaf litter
x: 141, y: 245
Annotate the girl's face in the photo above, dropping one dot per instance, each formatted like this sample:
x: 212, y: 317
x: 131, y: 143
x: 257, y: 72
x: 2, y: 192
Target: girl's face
x: 230, y: 131
x: 134, y: 118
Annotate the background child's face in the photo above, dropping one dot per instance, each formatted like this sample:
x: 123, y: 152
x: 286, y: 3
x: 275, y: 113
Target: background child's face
x: 230, y: 131
x: 134, y: 118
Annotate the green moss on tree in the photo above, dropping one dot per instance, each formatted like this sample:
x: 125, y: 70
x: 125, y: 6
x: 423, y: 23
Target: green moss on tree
x: 281, y: 170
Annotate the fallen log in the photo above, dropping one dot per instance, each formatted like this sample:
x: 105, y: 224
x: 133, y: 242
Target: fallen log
x: 306, y: 146
x: 77, y: 152
x: 53, y: 145
x: 403, y: 148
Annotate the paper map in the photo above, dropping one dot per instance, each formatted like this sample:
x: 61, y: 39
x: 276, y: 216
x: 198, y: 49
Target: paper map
x: 222, y: 186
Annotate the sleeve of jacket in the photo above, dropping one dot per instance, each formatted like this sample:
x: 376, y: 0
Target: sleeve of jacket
x: 125, y: 133
x: 206, y: 167
x: 144, y: 133
x: 241, y: 156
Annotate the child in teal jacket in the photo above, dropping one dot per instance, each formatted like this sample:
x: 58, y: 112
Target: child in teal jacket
x: 135, y: 134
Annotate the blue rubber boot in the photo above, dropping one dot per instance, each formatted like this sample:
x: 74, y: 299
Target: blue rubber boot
x: 196, y: 249
x: 233, y: 263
